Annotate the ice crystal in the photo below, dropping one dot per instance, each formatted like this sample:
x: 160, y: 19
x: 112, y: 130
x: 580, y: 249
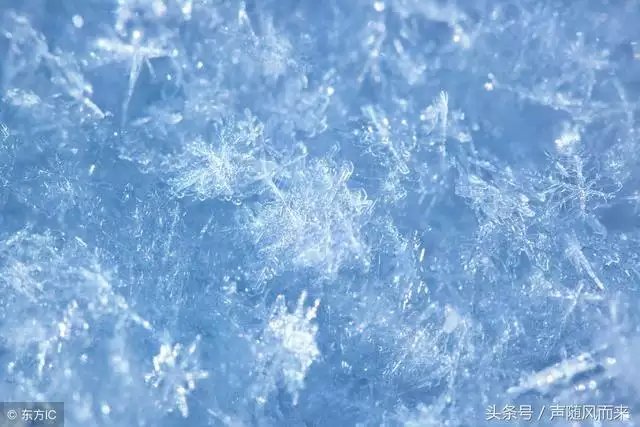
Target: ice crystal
x: 175, y: 373
x: 287, y: 347
x: 4, y: 132
x: 223, y: 169
x: 315, y: 220
x: 457, y: 182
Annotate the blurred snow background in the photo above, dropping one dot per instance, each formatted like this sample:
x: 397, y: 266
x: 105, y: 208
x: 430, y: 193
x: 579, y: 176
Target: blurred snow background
x: 319, y: 213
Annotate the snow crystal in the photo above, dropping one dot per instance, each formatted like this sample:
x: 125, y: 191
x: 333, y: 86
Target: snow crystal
x: 175, y: 372
x: 287, y: 347
x: 315, y: 221
x: 391, y: 213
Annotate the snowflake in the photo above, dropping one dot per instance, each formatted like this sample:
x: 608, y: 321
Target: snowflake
x: 313, y: 220
x: 222, y: 169
x: 572, y: 184
x: 287, y: 347
x: 175, y: 372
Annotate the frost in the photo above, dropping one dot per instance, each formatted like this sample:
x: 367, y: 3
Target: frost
x: 55, y: 300
x: 182, y: 182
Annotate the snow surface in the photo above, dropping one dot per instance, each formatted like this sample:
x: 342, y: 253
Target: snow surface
x: 320, y: 213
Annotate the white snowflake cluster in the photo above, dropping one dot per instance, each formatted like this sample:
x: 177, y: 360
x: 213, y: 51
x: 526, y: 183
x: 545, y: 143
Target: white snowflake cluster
x: 287, y: 348
x: 175, y: 372
x: 454, y: 251
x: 56, y: 298
x: 223, y: 168
x: 315, y: 221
